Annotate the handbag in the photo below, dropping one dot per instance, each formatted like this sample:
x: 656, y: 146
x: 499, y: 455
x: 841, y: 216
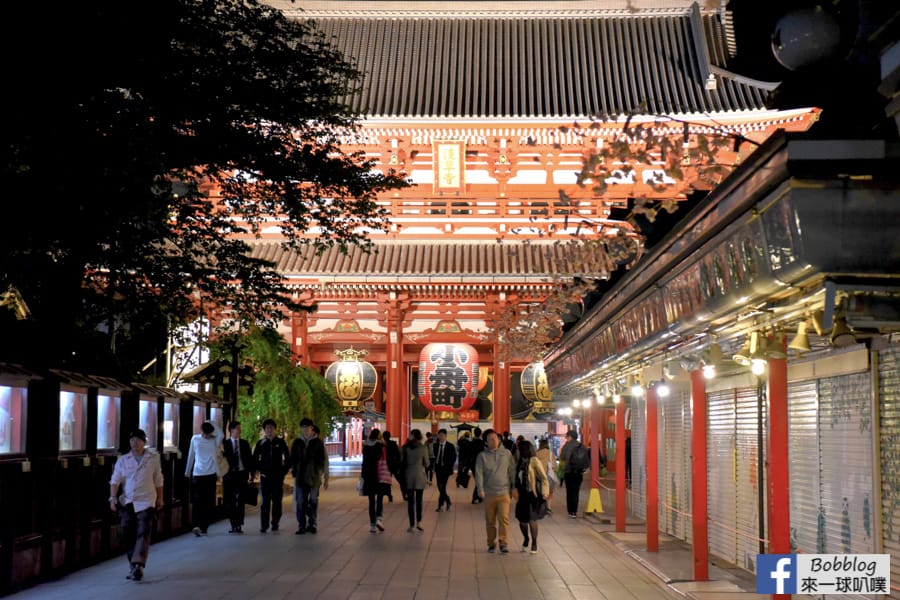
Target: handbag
x: 539, y: 507
x: 221, y: 462
x: 360, y: 486
x: 251, y: 494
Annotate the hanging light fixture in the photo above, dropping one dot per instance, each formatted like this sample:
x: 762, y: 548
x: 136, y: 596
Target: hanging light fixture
x: 689, y: 363
x: 670, y: 370
x: 776, y: 349
x: 742, y: 357
x: 841, y: 336
x: 712, y: 357
x: 662, y: 389
x: 634, y: 385
x: 758, y: 359
x: 800, y: 343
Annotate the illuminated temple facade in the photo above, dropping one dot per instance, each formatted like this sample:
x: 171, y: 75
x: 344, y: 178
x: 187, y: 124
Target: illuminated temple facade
x: 487, y: 107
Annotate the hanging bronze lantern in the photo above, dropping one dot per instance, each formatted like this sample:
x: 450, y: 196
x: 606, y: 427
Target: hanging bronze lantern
x: 536, y: 389
x: 354, y: 380
x: 448, y: 376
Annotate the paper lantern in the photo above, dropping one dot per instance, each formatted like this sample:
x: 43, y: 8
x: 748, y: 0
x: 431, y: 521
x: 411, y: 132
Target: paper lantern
x: 536, y: 389
x: 354, y: 380
x: 448, y: 376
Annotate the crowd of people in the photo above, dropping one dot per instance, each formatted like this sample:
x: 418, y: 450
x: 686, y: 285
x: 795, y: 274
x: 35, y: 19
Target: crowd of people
x: 509, y: 475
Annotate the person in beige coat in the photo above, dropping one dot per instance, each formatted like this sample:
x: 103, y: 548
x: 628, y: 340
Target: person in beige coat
x: 415, y: 461
x: 531, y: 480
x: 549, y: 462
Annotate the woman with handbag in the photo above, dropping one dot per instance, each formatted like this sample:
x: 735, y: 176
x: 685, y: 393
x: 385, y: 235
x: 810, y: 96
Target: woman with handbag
x: 376, y: 478
x: 531, y: 490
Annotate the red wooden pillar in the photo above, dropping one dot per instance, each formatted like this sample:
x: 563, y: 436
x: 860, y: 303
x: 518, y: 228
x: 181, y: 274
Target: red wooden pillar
x: 300, y: 338
x: 700, y: 524
x: 621, y: 499
x: 777, y: 457
x: 496, y: 306
x: 501, y: 395
x: 652, y: 473
x: 405, y: 399
x: 595, y: 426
x: 395, y: 374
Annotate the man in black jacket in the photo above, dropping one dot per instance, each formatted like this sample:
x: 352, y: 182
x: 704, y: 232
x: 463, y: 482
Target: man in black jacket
x: 309, y: 464
x: 272, y: 459
x: 444, y: 459
x: 393, y: 461
x: 234, y: 483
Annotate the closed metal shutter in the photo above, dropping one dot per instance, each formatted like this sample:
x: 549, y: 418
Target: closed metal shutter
x: 889, y: 405
x: 529, y: 429
x: 721, y: 475
x: 747, y: 423
x: 846, y: 443
x: 803, y: 439
x: 675, y: 471
x: 639, y: 457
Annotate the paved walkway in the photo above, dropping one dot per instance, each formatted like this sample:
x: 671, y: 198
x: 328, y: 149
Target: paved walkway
x: 449, y: 560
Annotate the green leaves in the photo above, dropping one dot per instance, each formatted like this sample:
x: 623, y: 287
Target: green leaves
x: 283, y: 391
x: 225, y: 97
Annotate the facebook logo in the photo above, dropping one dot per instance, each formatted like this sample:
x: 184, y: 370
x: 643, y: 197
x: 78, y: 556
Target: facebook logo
x: 776, y: 574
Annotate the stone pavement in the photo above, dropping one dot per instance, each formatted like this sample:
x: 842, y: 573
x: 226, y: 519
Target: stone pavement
x: 578, y: 558
x: 673, y: 564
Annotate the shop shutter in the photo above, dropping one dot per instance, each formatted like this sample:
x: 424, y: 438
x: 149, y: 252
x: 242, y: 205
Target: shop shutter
x: 889, y: 392
x: 747, y: 422
x: 675, y: 467
x: 529, y: 429
x: 721, y: 490
x: 638, y: 496
x: 846, y: 446
x: 803, y: 438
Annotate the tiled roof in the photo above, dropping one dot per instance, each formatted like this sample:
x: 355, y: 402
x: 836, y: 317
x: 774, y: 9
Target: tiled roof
x: 403, y: 259
x: 492, y: 66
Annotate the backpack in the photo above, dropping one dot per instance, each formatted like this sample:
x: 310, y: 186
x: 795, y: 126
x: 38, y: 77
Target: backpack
x: 580, y: 460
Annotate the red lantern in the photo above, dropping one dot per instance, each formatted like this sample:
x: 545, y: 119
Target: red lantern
x: 448, y: 376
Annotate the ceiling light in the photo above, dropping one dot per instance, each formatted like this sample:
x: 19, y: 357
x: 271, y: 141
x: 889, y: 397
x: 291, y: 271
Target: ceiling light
x: 742, y: 357
x: 662, y: 389
x: 800, y: 343
x: 776, y: 349
x: 841, y: 336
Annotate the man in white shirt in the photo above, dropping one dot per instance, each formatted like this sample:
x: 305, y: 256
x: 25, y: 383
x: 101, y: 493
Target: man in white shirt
x: 141, y: 472
x: 202, y: 468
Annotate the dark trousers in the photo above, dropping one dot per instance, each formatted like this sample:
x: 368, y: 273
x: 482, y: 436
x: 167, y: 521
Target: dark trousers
x: 475, y: 497
x: 203, y: 497
x: 376, y: 503
x: 402, y: 483
x: 136, y: 529
x: 414, y: 506
x: 306, y: 503
x: 573, y: 488
x: 442, y: 478
x: 234, y: 486
x: 271, y: 489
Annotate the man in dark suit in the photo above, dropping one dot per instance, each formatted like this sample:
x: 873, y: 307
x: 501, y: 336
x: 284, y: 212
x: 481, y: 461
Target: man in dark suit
x: 444, y: 459
x: 234, y: 483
